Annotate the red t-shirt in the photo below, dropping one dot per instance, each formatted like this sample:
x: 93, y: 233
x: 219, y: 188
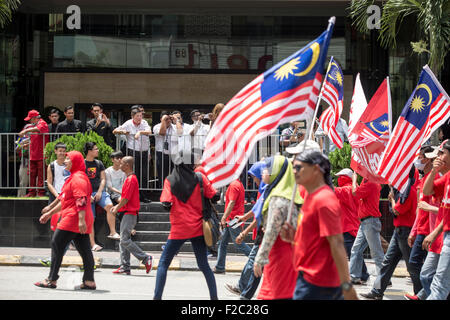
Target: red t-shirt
x: 236, y: 192
x: 407, y: 210
x: 130, y: 191
x: 349, y: 207
x: 442, y: 190
x: 423, y: 217
x: 186, y: 218
x: 368, y: 194
x: 37, y: 143
x: 77, y: 187
x: 319, y: 217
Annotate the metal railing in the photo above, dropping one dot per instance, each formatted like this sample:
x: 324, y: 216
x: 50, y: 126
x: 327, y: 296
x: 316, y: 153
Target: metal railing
x: 153, y: 160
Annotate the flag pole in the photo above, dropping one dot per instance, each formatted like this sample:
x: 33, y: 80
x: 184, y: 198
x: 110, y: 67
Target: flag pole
x: 331, y: 23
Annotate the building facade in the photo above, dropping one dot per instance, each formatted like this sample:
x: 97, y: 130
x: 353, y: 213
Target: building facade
x: 175, y: 54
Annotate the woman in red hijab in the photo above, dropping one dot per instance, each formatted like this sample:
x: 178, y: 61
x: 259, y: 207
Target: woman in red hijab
x: 76, y: 222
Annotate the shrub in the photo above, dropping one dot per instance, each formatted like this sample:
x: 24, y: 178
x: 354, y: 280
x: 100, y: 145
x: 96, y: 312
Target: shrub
x: 77, y: 142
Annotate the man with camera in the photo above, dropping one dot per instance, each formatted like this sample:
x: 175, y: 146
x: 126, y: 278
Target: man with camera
x: 199, y: 132
x: 292, y: 135
x: 100, y: 124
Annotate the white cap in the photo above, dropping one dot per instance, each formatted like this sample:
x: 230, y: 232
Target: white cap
x: 345, y: 172
x: 310, y: 145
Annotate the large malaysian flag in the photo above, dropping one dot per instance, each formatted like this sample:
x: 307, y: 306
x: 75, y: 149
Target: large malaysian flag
x: 287, y: 92
x: 426, y: 110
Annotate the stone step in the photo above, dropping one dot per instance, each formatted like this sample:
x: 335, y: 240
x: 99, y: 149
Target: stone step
x: 155, y: 236
x: 156, y: 246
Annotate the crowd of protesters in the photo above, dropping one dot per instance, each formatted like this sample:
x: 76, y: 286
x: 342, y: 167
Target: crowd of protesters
x: 309, y: 236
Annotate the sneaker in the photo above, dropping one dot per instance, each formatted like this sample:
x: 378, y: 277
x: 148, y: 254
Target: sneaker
x: 45, y: 262
x: 372, y: 296
x: 218, y: 271
x: 233, y: 289
x: 148, y: 264
x: 115, y: 236
x: 96, y: 247
x: 121, y: 271
x: 411, y: 297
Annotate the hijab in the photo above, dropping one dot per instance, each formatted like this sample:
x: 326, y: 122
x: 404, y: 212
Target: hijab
x: 183, y: 181
x: 281, y: 184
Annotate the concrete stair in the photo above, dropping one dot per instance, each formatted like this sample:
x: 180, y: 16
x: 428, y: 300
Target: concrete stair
x: 152, y: 230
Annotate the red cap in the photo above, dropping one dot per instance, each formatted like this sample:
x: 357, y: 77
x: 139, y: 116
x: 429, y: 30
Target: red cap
x: 31, y: 114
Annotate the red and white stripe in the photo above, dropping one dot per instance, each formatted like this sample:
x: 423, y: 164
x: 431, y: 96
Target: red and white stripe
x: 245, y: 120
x: 330, y: 117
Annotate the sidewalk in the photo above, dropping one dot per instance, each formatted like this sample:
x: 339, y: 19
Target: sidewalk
x: 11, y: 256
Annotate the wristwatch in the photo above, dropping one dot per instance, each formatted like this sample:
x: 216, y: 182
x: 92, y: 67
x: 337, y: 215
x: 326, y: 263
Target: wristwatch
x: 346, y: 286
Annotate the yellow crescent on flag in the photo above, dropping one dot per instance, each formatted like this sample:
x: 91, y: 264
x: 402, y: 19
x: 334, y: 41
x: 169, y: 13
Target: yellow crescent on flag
x: 315, y: 48
x: 428, y: 90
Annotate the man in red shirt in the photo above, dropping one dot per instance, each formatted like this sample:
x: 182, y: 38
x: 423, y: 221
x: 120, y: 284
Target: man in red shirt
x: 440, y: 286
x: 37, y: 144
x: 128, y: 209
x: 369, y: 230
x: 349, y: 217
x: 404, y: 207
x: 234, y: 206
x: 319, y: 252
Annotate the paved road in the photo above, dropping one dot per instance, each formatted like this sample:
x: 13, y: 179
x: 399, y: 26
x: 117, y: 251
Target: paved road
x: 16, y: 283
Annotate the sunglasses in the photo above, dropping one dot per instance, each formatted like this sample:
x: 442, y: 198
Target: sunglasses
x: 297, y: 167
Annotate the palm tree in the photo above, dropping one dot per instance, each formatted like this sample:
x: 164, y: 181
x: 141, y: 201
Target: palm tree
x: 432, y: 19
x: 7, y: 7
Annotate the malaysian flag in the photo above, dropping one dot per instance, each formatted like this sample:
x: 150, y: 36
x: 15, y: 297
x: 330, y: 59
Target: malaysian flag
x: 370, y: 134
x: 426, y: 110
x: 333, y: 93
x: 285, y: 93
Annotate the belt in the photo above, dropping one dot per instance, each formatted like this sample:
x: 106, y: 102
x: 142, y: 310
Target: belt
x: 362, y: 219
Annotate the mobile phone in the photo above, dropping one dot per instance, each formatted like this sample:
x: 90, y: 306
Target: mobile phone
x: 232, y: 222
x: 237, y: 225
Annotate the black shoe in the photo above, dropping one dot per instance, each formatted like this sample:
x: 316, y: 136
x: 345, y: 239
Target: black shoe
x: 372, y: 296
x: 358, y: 282
x: 233, y: 289
x: 218, y: 271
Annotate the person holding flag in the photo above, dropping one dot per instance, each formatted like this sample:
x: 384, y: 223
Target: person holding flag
x: 275, y: 255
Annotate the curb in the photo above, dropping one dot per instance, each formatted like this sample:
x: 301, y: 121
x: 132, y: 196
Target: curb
x: 177, y: 264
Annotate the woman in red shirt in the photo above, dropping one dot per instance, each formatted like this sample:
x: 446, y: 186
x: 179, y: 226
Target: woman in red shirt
x: 275, y: 255
x: 181, y: 195
x: 75, y: 224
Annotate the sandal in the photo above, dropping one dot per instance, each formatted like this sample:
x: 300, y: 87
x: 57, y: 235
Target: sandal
x: 45, y: 284
x: 97, y: 248
x: 84, y: 286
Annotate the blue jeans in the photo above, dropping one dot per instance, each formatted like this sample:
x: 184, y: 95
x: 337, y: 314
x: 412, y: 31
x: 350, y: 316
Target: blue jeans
x: 170, y: 249
x: 440, y: 287
x: 416, y: 260
x: 248, y: 283
x: 368, y: 235
x: 104, y: 201
x: 227, y: 235
x: 307, y: 291
x: 348, y: 244
x: 427, y: 273
x: 398, y: 249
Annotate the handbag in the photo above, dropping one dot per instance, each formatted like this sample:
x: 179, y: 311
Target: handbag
x: 211, y: 222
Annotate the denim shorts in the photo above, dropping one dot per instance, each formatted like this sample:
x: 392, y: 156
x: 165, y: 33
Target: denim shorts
x: 104, y: 201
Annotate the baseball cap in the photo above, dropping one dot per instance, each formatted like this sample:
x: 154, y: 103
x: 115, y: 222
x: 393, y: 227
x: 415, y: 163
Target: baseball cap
x: 310, y: 145
x: 444, y: 145
x: 32, y: 114
x: 345, y: 172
